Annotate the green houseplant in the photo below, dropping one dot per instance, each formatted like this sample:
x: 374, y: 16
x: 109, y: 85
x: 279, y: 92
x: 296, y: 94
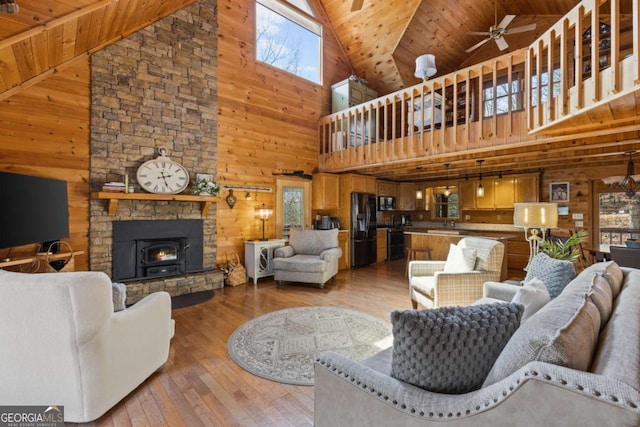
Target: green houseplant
x: 564, y: 249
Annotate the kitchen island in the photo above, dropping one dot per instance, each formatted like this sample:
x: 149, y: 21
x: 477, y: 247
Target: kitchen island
x: 438, y: 240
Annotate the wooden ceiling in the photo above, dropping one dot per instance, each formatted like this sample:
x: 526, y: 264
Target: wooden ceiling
x: 383, y: 39
x: 381, y: 42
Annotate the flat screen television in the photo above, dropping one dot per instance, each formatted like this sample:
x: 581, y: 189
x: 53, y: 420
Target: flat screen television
x: 32, y: 210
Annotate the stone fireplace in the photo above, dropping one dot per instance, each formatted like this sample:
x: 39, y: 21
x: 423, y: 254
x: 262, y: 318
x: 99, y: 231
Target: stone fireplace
x: 156, y: 89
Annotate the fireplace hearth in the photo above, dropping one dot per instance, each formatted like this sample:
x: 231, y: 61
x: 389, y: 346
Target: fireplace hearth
x: 156, y: 248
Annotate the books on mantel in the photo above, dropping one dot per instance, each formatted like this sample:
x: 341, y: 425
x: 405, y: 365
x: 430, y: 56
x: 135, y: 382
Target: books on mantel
x: 114, y: 187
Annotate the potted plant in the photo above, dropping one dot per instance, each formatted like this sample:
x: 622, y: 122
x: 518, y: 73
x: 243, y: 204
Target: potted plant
x: 564, y: 249
x: 205, y: 187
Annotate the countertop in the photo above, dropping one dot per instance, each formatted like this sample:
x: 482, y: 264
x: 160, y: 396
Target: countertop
x: 457, y: 233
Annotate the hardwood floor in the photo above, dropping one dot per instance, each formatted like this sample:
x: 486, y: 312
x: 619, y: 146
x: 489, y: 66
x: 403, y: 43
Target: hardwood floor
x: 201, y: 385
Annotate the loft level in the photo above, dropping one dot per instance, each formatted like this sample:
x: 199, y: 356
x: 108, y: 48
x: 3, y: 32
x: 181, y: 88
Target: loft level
x: 512, y: 100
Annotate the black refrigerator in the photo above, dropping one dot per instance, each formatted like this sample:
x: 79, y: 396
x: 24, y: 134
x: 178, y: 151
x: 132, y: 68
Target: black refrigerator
x: 363, y: 229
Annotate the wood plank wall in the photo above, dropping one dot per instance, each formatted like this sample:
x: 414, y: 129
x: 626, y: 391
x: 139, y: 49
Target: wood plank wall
x: 267, y: 120
x: 45, y: 132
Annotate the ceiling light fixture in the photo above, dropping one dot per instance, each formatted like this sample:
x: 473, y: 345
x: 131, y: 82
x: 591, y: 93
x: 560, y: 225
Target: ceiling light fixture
x: 425, y: 66
x: 629, y: 183
x: 480, y: 190
x: 447, y: 191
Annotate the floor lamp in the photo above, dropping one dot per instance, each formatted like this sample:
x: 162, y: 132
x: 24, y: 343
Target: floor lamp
x: 536, y: 219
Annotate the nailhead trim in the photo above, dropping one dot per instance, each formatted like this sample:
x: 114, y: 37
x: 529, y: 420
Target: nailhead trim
x: 495, y: 399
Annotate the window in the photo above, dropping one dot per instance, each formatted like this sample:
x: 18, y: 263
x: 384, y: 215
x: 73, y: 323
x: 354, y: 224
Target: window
x: 544, y: 87
x: 288, y: 37
x: 293, y: 206
x: 618, y: 217
x: 503, y: 99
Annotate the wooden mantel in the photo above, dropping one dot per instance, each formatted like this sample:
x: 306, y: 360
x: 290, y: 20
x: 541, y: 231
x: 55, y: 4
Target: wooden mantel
x: 115, y: 197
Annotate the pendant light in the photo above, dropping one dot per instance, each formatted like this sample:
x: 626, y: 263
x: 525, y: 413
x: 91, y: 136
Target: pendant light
x: 480, y: 190
x: 447, y: 191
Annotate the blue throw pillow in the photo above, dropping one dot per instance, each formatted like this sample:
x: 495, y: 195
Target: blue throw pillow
x: 451, y: 349
x: 554, y: 273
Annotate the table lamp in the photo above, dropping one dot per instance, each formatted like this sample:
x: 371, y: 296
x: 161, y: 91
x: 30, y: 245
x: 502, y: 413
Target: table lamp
x: 536, y: 219
x: 264, y: 213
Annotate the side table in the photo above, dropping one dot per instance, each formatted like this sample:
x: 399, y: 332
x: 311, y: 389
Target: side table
x: 258, y: 255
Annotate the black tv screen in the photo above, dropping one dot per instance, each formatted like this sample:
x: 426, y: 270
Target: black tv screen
x: 32, y: 210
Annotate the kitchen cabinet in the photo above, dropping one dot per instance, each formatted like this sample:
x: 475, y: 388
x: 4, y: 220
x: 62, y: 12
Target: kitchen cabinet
x: 406, y: 196
x: 466, y: 194
x: 499, y: 193
x: 344, y: 262
x: 526, y: 189
x: 387, y: 188
x: 325, y: 191
x: 424, y: 203
x: 381, y: 241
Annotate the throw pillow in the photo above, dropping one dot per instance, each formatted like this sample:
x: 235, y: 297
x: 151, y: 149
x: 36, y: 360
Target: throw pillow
x: 533, y: 295
x: 602, y: 297
x: 614, y: 276
x: 564, y: 333
x: 450, y: 349
x: 119, y: 291
x: 460, y: 260
x: 555, y: 273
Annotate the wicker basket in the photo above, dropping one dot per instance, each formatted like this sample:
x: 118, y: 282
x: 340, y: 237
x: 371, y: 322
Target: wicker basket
x: 237, y: 274
x: 59, y: 265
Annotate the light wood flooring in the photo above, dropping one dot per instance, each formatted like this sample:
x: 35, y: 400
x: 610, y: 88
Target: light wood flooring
x: 201, y: 385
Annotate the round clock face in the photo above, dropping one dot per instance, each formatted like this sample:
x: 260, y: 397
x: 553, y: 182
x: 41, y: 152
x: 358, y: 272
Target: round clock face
x: 162, y: 176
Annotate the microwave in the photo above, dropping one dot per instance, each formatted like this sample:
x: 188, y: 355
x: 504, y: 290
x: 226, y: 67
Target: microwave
x: 386, y: 203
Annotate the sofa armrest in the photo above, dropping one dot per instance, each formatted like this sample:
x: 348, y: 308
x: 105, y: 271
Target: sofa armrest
x: 424, y: 268
x: 349, y: 393
x: 461, y: 288
x: 499, y: 290
x: 327, y: 254
x: 284, y: 252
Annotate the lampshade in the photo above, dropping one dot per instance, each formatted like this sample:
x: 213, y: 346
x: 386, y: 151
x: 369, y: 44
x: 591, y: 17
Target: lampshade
x: 540, y: 215
x: 425, y: 66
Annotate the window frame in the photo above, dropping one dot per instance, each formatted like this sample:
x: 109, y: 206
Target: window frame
x: 297, y: 16
x: 503, y: 81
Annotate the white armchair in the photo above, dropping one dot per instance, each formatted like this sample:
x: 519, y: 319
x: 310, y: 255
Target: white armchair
x: 62, y: 344
x: 430, y: 286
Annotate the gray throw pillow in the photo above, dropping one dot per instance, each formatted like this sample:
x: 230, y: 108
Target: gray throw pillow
x: 555, y: 273
x: 451, y: 349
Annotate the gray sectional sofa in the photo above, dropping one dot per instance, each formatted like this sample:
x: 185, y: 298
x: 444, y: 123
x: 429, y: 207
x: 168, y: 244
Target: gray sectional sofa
x: 574, y: 362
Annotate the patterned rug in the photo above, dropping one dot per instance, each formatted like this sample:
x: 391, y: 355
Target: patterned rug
x: 282, y: 346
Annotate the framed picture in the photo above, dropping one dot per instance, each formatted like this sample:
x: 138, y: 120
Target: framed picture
x: 559, y: 192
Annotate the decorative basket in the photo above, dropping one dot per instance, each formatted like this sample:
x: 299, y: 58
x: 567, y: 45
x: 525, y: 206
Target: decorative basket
x: 59, y: 265
x: 237, y: 274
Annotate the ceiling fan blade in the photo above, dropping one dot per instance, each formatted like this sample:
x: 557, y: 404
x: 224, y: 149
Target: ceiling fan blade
x: 478, y: 33
x: 506, y: 21
x: 502, y: 43
x: 356, y: 5
x: 520, y: 29
x: 477, y: 45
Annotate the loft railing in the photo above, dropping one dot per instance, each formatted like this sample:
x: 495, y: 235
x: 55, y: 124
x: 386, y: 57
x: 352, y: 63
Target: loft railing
x: 593, y: 54
x: 509, y: 100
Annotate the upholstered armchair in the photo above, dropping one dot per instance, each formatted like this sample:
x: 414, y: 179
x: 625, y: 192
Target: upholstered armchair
x: 458, y: 280
x: 61, y: 342
x: 311, y: 257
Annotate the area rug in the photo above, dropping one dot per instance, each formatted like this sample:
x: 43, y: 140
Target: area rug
x: 282, y: 346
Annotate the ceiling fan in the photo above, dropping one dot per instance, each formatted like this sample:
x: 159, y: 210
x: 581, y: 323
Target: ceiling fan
x: 356, y: 5
x: 497, y: 31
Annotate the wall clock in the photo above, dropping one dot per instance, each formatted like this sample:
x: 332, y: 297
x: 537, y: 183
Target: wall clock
x: 162, y: 175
